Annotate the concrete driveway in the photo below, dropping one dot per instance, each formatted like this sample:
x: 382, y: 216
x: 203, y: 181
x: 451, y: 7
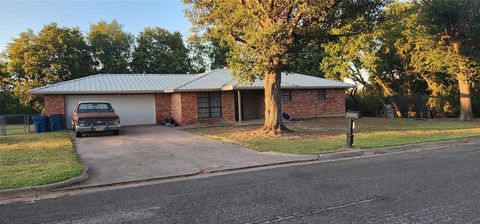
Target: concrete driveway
x: 144, y: 152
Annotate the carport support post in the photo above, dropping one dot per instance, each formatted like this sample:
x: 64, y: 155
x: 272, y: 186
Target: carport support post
x: 239, y: 105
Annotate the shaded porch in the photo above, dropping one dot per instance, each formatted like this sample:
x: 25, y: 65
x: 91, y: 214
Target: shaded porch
x: 249, y: 106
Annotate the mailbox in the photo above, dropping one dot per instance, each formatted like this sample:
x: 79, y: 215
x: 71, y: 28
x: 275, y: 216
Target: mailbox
x: 353, y: 114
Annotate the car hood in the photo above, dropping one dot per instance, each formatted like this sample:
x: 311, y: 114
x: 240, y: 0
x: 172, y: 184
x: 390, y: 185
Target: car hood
x: 97, y: 115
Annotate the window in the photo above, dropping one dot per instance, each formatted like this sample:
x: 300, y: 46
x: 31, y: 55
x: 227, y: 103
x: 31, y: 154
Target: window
x: 209, y: 105
x: 94, y: 107
x: 286, y: 95
x: 321, y: 94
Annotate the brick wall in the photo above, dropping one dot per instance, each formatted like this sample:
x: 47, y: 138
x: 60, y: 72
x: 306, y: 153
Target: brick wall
x: 162, y: 106
x: 305, y: 103
x: 54, y: 104
x: 189, y: 108
x: 184, y: 108
x: 228, y: 106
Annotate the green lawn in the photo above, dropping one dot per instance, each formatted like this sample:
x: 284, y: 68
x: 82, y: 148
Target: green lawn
x: 324, y: 135
x: 36, y: 159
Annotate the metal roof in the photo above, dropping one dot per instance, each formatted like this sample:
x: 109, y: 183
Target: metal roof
x: 222, y: 79
x: 114, y: 83
x: 216, y: 80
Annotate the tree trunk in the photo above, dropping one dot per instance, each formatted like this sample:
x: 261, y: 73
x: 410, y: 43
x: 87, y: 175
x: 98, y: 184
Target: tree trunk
x: 466, y: 113
x: 273, y: 104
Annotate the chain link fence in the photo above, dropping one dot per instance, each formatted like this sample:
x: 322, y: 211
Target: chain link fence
x: 16, y: 124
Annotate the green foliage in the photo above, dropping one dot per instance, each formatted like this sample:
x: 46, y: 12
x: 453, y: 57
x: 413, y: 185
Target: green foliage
x: 218, y: 53
x: 207, y: 54
x: 454, y: 21
x: 260, y: 34
x: 110, y: 46
x: 55, y: 54
x: 160, y: 51
x: 400, y: 56
x: 197, y: 49
x: 364, y: 101
x: 305, y: 57
x: 380, y: 60
x: 5, y: 86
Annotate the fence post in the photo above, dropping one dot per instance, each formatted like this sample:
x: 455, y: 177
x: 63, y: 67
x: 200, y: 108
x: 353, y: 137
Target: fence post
x: 24, y: 124
x: 28, y: 123
x: 2, y: 125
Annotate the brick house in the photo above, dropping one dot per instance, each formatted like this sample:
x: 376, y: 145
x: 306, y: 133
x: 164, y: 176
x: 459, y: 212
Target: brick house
x: 209, y: 97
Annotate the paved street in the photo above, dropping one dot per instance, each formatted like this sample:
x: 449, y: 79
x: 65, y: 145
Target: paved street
x: 432, y: 186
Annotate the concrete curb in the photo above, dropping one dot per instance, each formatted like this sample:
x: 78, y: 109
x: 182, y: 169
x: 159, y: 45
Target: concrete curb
x: 202, y: 171
x: 34, y: 190
x: 127, y: 182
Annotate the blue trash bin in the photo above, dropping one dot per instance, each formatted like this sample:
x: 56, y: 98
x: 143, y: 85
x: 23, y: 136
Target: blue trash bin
x: 39, y: 124
x: 55, y: 122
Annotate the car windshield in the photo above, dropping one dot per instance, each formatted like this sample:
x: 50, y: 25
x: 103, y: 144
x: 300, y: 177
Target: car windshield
x: 94, y: 107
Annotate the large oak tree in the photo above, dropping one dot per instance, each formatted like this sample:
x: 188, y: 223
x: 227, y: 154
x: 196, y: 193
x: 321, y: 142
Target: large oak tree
x: 457, y: 25
x: 260, y: 33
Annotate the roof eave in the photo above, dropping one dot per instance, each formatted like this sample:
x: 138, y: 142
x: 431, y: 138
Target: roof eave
x: 93, y: 92
x: 297, y: 87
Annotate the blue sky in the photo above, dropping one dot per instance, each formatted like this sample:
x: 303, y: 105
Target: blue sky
x: 18, y: 16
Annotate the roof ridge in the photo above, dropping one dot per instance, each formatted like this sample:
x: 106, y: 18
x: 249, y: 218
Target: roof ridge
x: 311, y: 76
x: 194, y: 78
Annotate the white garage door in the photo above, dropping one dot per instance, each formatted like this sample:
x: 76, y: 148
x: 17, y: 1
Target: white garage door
x: 132, y: 109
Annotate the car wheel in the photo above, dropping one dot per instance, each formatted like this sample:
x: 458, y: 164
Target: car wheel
x: 78, y: 134
x: 117, y: 132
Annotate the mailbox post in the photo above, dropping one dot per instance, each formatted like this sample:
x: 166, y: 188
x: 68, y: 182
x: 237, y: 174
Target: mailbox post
x: 351, y: 115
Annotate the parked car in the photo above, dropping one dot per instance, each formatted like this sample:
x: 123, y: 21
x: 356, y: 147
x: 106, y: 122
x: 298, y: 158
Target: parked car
x: 95, y: 116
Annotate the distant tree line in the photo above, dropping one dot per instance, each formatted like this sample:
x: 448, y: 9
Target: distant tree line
x: 56, y: 54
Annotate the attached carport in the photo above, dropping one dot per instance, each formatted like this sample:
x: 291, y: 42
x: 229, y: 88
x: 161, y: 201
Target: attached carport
x: 135, y: 97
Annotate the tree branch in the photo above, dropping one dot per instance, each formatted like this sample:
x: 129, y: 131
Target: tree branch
x: 335, y: 4
x: 241, y: 40
x: 294, y: 23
